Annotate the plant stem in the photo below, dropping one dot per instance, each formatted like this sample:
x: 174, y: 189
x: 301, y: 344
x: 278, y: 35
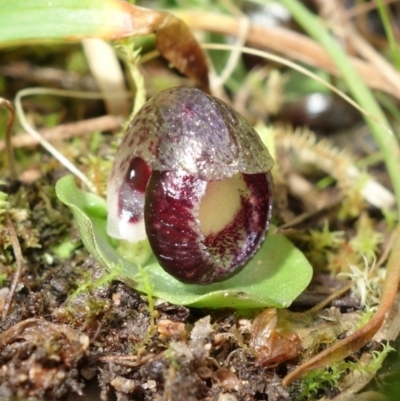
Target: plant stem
x: 377, y: 120
x: 389, y: 33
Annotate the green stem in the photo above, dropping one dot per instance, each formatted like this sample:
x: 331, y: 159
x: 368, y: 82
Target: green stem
x: 389, y: 33
x: 377, y: 120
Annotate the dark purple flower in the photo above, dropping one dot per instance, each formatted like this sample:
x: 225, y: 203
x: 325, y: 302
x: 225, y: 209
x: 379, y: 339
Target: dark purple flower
x: 193, y: 176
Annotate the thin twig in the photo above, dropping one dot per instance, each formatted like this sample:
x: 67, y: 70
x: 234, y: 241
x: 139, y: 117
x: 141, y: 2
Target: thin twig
x: 66, y: 131
x: 386, y: 251
x: 243, y: 29
x: 20, y: 262
x: 113, y: 358
x: 47, y: 145
x: 287, y: 42
x: 386, y: 69
x: 130, y: 360
x: 308, y: 73
x: 301, y: 218
x: 336, y: 294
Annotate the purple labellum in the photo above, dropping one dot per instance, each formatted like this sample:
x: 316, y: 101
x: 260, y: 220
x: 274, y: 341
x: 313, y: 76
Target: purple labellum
x: 193, y: 176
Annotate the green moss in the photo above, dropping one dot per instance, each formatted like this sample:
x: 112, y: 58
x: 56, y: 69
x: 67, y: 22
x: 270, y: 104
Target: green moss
x: 3, y: 203
x: 318, y: 381
x: 65, y: 249
x: 88, y: 284
x: 3, y: 277
x: 366, y: 241
x: 377, y: 359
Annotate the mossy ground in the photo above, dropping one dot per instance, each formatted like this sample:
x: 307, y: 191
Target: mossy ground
x: 69, y: 332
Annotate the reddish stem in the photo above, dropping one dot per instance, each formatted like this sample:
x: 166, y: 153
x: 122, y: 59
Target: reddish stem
x: 358, y: 339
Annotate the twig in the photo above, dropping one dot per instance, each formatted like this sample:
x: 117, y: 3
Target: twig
x: 48, y: 76
x: 381, y: 122
x: 19, y: 260
x: 309, y: 215
x: 386, y: 251
x: 336, y: 294
x: 386, y: 69
x: 66, y: 131
x: 130, y: 360
x: 47, y: 145
x: 243, y: 29
x: 291, y: 44
x: 113, y: 358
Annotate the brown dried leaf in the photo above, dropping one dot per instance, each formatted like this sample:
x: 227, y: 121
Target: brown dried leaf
x: 174, y: 41
x: 271, y: 344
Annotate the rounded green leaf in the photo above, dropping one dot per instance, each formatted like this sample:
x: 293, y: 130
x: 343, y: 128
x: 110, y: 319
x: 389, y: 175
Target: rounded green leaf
x: 274, y: 277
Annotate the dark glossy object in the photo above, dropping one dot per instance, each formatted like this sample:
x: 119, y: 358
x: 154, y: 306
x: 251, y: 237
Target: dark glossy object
x: 193, y: 176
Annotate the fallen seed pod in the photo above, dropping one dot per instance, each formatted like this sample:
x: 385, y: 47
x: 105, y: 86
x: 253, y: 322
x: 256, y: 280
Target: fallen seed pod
x: 193, y: 176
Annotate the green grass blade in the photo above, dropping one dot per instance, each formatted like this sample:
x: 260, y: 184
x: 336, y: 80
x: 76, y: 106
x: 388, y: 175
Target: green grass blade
x: 38, y: 20
x: 377, y: 122
x: 394, y: 47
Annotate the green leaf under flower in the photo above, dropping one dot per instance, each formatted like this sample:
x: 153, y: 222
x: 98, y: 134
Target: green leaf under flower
x: 274, y: 277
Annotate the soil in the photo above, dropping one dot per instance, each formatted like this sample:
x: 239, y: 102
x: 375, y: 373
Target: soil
x: 61, y: 339
x: 107, y: 342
